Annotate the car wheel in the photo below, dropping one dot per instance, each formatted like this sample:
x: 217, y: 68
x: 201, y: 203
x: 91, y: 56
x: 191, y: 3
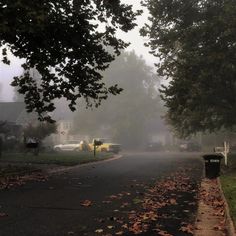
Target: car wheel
x: 57, y: 149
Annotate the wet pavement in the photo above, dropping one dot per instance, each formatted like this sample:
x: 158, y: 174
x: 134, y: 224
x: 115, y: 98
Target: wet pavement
x: 143, y: 193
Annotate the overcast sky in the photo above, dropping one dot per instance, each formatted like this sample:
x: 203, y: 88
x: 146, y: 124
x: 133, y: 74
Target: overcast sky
x: 133, y: 36
x: 8, y: 72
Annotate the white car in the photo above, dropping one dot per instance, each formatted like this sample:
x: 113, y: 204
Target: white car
x: 69, y: 146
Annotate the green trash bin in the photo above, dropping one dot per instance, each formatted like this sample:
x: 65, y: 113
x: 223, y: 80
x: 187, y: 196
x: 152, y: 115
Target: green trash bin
x: 212, y: 165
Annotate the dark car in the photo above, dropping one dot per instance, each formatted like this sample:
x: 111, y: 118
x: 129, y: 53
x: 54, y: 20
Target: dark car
x: 154, y: 146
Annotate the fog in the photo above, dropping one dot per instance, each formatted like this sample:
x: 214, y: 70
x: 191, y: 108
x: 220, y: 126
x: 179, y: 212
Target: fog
x: 7, y: 72
x: 132, y: 119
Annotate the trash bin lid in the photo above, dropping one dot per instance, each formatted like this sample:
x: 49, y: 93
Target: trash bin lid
x: 210, y: 156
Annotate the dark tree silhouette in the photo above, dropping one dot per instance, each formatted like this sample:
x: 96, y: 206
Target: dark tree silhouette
x: 194, y: 41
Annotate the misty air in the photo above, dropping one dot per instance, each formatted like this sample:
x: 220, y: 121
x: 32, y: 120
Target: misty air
x: 117, y: 118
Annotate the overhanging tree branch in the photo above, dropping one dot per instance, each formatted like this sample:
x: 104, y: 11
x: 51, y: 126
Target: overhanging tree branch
x: 66, y: 43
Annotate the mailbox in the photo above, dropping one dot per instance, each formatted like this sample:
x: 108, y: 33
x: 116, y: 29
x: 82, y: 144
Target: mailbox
x: 97, y: 143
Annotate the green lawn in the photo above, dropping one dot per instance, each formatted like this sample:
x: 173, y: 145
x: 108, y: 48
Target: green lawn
x: 65, y: 159
x: 12, y: 170
x: 228, y: 182
x: 232, y: 161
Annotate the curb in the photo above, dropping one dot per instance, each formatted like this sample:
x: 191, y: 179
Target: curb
x: 64, y: 169
x: 229, y: 222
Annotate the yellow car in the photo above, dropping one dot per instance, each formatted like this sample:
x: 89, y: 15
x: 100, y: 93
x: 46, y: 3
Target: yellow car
x: 103, y: 146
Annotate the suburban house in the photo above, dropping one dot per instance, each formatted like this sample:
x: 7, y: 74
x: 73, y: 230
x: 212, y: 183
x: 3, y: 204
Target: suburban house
x: 65, y: 125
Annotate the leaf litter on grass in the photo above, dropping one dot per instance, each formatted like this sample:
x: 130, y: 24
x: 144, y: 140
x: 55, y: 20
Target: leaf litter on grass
x: 15, y: 181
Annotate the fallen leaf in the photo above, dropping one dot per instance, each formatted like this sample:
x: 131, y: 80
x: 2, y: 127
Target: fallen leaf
x: 2, y: 214
x: 86, y: 203
x: 173, y: 201
x: 163, y: 233
x: 218, y: 227
x: 113, y: 197
x: 110, y: 227
x: 120, y: 233
x: 125, y: 226
x: 188, y: 229
x: 99, y: 231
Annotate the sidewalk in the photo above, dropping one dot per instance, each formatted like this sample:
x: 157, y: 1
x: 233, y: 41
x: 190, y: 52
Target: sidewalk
x: 213, y: 217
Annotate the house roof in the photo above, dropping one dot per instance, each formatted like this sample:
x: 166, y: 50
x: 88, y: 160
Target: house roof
x: 14, y: 112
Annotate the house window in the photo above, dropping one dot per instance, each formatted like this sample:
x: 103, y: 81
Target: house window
x: 66, y: 125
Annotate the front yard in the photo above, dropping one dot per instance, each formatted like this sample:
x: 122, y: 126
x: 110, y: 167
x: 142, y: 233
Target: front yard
x: 18, y: 168
x: 64, y: 158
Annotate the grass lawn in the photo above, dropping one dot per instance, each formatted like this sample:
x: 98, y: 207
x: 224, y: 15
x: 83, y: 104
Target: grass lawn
x: 12, y: 170
x: 64, y: 158
x: 228, y: 182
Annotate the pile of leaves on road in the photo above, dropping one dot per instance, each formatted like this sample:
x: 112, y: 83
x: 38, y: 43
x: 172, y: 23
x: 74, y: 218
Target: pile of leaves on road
x: 165, y: 209
x: 13, y: 176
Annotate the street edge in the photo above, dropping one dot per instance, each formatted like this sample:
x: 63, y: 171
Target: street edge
x: 198, y: 202
x: 57, y: 170
x: 229, y: 221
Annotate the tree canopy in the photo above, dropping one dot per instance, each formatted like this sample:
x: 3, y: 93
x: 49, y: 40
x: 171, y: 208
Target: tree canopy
x: 68, y: 42
x: 40, y: 130
x: 195, y: 42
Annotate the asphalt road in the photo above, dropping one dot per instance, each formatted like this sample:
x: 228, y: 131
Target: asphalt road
x: 115, y: 192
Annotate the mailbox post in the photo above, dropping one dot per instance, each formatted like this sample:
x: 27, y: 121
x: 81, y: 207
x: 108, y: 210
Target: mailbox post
x: 96, y: 143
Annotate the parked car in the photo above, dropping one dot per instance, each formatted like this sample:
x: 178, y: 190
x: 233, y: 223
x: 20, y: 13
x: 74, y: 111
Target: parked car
x: 105, y: 146
x: 69, y: 146
x: 154, y: 146
x: 85, y: 146
x: 110, y: 147
x: 189, y: 147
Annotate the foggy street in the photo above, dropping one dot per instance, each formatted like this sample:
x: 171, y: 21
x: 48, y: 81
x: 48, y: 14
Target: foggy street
x: 118, y: 197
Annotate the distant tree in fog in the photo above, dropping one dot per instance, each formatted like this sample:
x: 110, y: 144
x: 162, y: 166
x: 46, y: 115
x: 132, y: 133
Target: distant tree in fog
x: 17, y: 97
x: 41, y: 130
x: 67, y: 42
x: 126, y: 117
x: 194, y: 42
